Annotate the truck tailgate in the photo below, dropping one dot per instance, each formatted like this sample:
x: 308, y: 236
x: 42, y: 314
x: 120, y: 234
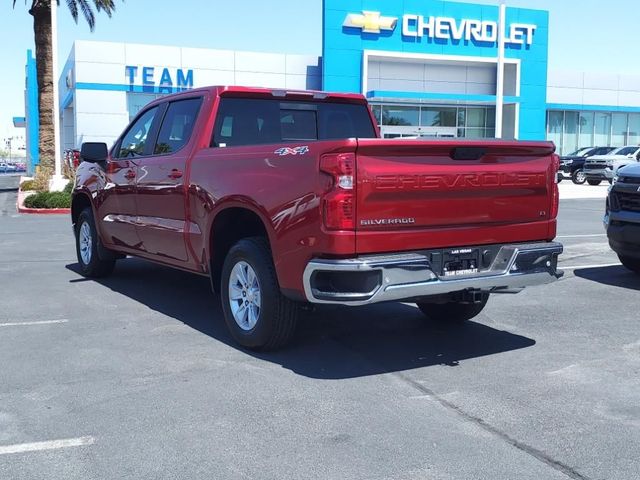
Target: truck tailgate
x: 414, y: 194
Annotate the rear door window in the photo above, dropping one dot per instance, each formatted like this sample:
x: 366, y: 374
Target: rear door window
x: 627, y: 151
x: 177, y: 125
x: 242, y: 121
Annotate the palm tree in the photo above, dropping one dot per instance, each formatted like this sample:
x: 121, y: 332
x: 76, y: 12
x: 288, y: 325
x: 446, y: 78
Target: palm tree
x: 41, y: 12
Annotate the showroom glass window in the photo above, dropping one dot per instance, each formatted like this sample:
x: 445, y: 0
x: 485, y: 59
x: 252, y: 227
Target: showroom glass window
x: 555, y: 124
x: 634, y: 129
x: 177, y: 125
x: 585, y: 120
x: 602, y: 133
x: 435, y: 121
x: 619, y: 129
x: 400, y: 115
x: 438, y: 117
x: 570, y: 133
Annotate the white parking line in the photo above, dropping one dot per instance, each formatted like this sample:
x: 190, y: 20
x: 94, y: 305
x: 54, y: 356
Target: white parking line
x: 577, y: 267
x: 50, y: 445
x: 22, y: 324
x: 583, y: 236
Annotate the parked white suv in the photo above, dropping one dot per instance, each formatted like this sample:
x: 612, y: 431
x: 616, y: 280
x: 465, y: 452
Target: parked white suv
x: 605, y: 167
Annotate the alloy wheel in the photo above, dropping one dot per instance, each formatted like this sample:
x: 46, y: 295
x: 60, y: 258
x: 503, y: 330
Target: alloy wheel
x: 244, y: 295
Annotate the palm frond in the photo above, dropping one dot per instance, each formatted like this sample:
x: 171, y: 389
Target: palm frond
x: 73, y: 8
x: 87, y: 12
x: 86, y: 8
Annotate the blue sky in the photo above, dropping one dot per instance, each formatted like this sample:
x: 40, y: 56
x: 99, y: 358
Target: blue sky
x: 584, y: 34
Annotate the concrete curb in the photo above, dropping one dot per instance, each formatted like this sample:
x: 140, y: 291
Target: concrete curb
x: 39, y: 211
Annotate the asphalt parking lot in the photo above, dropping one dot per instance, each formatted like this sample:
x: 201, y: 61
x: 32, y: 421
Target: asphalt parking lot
x: 135, y: 376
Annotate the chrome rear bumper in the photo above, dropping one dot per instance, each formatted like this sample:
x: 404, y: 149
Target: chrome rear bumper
x: 410, y: 275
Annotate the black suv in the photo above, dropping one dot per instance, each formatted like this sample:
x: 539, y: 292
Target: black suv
x: 571, y: 165
x: 622, y: 219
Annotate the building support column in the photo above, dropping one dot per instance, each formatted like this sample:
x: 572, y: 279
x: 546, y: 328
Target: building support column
x: 57, y: 182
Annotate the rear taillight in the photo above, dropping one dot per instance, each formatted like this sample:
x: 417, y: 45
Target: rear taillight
x: 555, y: 193
x: 556, y: 167
x: 338, y: 204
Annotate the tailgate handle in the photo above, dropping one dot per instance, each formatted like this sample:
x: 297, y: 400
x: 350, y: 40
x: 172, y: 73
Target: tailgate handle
x: 468, y: 153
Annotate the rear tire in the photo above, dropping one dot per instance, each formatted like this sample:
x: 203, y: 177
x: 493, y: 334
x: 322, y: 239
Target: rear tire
x: 258, y: 316
x: 453, y: 312
x: 632, y: 264
x: 578, y: 177
x: 594, y: 182
x: 88, y: 246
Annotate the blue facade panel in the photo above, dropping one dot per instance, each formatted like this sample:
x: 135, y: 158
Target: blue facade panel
x: 32, y: 117
x: 343, y: 47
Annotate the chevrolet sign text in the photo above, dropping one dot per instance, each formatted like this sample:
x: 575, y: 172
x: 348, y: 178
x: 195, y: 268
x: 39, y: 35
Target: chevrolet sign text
x: 445, y: 28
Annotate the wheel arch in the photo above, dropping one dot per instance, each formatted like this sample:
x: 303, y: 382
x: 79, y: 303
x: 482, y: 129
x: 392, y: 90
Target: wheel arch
x: 230, y: 224
x: 80, y: 201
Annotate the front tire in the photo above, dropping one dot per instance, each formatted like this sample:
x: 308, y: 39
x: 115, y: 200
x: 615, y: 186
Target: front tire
x: 578, y: 177
x: 632, y: 264
x: 258, y: 316
x: 454, y: 311
x: 88, y: 245
x: 594, y: 183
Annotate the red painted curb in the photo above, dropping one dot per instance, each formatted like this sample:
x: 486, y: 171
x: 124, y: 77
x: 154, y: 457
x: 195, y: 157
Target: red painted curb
x: 38, y: 211
x: 45, y: 211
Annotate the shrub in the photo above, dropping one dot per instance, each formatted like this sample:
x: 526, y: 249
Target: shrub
x: 68, y: 188
x: 58, y: 200
x: 48, y: 200
x: 28, y: 185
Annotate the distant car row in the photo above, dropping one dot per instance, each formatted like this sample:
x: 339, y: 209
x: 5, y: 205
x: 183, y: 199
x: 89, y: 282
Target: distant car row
x: 12, y: 167
x: 595, y: 164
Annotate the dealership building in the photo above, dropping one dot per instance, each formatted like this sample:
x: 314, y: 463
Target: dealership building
x: 428, y: 68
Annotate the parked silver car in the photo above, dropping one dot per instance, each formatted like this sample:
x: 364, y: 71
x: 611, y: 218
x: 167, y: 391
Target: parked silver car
x: 605, y: 167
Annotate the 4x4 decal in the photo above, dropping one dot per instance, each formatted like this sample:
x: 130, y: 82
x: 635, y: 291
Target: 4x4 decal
x: 292, y: 151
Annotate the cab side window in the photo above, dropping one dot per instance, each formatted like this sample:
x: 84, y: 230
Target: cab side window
x: 177, y: 125
x: 135, y: 140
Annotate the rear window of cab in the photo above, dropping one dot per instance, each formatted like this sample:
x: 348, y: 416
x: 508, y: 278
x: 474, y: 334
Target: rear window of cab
x: 252, y: 121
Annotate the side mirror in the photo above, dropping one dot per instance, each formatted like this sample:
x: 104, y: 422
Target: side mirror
x: 94, y: 152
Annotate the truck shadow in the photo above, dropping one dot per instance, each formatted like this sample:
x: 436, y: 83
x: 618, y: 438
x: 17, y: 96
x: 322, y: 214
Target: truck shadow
x: 615, y: 276
x: 331, y: 342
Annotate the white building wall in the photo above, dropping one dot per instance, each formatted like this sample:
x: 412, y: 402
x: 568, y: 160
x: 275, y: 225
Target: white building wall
x: 593, y: 88
x: 96, y: 69
x: 100, y: 116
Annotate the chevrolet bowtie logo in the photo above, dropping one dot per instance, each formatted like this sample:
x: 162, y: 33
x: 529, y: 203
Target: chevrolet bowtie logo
x: 370, y: 22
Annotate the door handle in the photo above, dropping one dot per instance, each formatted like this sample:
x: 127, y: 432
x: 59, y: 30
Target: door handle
x: 130, y: 175
x: 175, y: 174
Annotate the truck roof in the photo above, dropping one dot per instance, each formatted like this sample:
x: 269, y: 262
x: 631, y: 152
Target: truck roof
x: 254, y: 92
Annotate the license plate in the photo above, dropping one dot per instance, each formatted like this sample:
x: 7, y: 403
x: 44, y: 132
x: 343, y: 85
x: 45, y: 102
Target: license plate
x: 457, y: 273
x: 461, y: 261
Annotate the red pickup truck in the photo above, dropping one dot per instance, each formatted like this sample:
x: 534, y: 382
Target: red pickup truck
x: 285, y: 198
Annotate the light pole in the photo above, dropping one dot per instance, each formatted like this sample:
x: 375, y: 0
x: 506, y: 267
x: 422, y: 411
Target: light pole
x: 57, y: 182
x: 500, y: 73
